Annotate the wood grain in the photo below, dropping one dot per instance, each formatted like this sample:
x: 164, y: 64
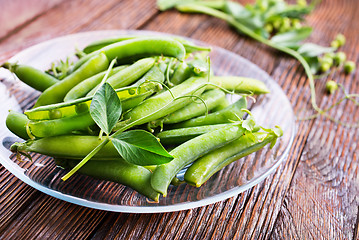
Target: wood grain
x: 322, y: 201
x: 26, y: 11
x: 313, y: 195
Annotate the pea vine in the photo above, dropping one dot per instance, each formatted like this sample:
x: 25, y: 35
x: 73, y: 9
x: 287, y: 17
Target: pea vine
x: 279, y: 25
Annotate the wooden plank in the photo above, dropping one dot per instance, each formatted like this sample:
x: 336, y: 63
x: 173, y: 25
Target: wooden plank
x: 263, y: 205
x: 249, y: 215
x: 243, y: 219
x: 322, y: 201
x: 17, y: 198
x: 171, y: 222
x: 15, y: 13
x: 48, y: 217
x: 74, y: 16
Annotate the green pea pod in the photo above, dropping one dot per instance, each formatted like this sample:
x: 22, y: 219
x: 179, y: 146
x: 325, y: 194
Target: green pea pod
x: 134, y: 49
x: 94, y: 46
x: 61, y: 126
x: 33, y: 77
x: 154, y: 74
x: 163, y: 103
x: 16, y: 122
x: 221, y: 105
x: 211, y: 98
x: 84, y: 87
x: 72, y: 108
x: 205, y: 167
x: 181, y: 135
x: 138, y: 98
x: 120, y: 171
x: 57, y: 92
x: 80, y: 121
x: 67, y: 146
x: 185, y: 70
x: 181, y: 73
x: 128, y: 75
x: 227, y: 115
x: 239, y: 84
x: 156, y: 78
x: 190, y: 151
x: 190, y: 47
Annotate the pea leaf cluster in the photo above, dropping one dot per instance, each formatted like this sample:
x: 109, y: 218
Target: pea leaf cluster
x: 276, y: 24
x: 137, y: 146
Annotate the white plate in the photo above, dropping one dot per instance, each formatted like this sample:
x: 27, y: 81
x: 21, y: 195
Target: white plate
x: 42, y: 174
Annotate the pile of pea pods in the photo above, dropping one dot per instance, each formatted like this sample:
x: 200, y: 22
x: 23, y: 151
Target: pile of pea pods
x: 166, y: 87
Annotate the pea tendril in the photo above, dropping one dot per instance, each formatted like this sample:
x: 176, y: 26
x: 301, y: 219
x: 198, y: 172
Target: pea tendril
x: 287, y: 42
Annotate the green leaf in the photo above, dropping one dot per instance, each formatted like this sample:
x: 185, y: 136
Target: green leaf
x: 273, y: 143
x: 251, y: 137
x: 167, y: 4
x: 106, y: 108
x: 236, y: 9
x: 141, y: 148
x: 313, y: 50
x: 199, y: 66
x: 249, y: 124
x: 277, y: 131
x: 291, y: 11
x: 313, y: 63
x: 290, y: 38
x: 246, y: 17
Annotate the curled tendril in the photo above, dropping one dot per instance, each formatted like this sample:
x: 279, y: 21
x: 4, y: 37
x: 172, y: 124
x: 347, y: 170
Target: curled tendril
x: 324, y: 112
x: 22, y: 153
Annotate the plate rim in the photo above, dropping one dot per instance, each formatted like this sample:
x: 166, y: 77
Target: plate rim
x: 12, y: 166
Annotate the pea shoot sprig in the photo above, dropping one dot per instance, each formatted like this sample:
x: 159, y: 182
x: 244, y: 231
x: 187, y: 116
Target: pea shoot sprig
x: 278, y: 25
x: 136, y: 146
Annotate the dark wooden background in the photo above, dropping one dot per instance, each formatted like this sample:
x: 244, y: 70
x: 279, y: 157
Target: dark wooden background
x: 314, y: 195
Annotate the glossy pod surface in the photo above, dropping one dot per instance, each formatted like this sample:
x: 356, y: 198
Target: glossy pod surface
x: 190, y: 151
x: 57, y: 92
x: 120, y: 171
x: 134, y: 49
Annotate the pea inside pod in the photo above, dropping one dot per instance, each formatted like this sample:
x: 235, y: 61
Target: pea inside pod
x: 80, y: 121
x: 71, y: 108
x: 165, y: 103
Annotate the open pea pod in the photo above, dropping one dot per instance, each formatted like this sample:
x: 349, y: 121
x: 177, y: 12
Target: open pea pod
x: 129, y: 96
x: 81, y: 120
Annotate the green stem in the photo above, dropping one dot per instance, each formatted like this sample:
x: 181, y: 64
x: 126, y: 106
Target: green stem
x: 104, y: 79
x: 88, y: 157
x: 242, y: 28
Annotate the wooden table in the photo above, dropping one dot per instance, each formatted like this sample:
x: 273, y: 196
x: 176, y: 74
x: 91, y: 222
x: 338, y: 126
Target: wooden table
x: 313, y: 195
